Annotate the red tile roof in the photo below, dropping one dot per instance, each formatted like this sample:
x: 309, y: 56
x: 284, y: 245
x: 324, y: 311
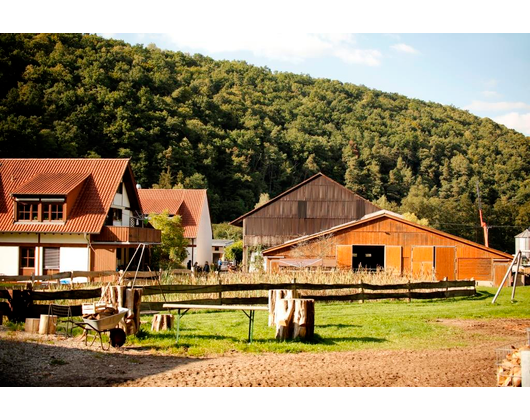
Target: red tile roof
x: 51, y: 184
x: 100, y: 177
x: 187, y: 203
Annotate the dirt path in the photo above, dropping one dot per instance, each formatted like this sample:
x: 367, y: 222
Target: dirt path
x: 59, y: 362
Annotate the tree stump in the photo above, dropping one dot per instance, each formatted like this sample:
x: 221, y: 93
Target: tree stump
x: 295, y: 318
x: 47, y: 324
x: 162, y: 322
x: 32, y: 325
x: 275, y: 296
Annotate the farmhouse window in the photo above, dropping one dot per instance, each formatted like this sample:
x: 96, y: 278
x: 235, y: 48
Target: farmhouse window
x: 27, y: 257
x: 27, y: 211
x: 114, y: 215
x: 52, y: 211
x: 39, y: 210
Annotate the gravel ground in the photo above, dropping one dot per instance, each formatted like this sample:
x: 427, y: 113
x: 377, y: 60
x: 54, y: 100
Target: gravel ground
x: 49, y: 361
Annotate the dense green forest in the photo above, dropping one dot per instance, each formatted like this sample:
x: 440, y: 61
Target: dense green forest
x: 240, y: 131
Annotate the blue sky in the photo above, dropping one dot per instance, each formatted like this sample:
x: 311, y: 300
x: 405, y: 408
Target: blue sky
x: 487, y: 74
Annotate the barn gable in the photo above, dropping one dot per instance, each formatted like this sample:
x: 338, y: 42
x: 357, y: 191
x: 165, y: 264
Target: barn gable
x: 316, y: 204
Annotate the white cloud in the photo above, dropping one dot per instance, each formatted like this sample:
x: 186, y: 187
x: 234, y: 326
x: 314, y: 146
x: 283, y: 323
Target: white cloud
x: 481, y: 106
x: 285, y: 47
x: 516, y: 121
x: 404, y: 48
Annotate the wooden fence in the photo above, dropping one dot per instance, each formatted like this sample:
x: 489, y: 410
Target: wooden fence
x: 20, y: 303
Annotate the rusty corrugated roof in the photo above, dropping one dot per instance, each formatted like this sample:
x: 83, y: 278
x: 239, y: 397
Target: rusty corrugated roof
x: 186, y: 203
x: 101, y: 180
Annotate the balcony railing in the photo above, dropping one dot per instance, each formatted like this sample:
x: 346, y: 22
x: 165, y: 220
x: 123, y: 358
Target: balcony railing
x: 128, y: 234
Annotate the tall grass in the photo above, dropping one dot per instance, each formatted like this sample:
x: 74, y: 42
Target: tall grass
x: 310, y: 277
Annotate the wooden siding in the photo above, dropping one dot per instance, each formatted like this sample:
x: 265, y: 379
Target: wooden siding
x: 394, y: 259
x: 327, y: 204
x: 421, y: 249
x: 344, y: 255
x: 445, y: 263
x: 422, y: 261
x: 103, y: 259
x: 128, y: 234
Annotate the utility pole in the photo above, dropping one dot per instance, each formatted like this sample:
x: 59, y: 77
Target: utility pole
x: 482, y: 222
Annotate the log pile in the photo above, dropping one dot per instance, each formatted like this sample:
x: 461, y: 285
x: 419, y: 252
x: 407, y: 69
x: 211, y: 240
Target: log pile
x: 509, y: 368
x: 101, y: 312
x: 120, y: 296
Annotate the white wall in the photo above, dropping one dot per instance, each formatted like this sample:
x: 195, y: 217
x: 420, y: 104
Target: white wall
x: 203, y: 251
x: 121, y: 201
x: 62, y: 239
x: 74, y: 259
x: 19, y: 237
x: 9, y: 257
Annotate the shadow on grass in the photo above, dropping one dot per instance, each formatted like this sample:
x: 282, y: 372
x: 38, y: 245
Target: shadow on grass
x: 339, y: 326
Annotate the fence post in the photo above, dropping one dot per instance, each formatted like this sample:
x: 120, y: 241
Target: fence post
x: 408, y: 290
x: 220, y: 291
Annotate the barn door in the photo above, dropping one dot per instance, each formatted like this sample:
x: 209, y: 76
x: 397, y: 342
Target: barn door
x: 422, y: 261
x: 444, y: 264
x: 394, y: 259
x: 344, y: 253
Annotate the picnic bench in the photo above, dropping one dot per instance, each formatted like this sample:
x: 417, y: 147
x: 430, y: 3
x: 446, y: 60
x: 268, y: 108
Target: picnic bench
x: 247, y: 310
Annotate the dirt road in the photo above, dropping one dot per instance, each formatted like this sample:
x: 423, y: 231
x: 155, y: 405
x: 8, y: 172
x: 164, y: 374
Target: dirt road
x: 54, y: 361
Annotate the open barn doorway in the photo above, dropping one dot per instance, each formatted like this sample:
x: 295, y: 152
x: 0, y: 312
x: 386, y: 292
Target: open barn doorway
x: 368, y: 257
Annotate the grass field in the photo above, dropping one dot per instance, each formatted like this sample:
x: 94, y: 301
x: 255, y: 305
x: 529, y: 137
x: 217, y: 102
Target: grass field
x: 339, y: 326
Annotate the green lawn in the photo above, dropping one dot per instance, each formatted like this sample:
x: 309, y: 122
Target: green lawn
x: 339, y: 326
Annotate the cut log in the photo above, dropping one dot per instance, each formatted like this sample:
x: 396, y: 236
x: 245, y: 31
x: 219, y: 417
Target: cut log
x: 133, y: 299
x: 162, y: 322
x: 304, y: 319
x: 32, y: 325
x: 47, y: 324
x: 295, y: 318
x: 274, y: 296
x: 283, y: 315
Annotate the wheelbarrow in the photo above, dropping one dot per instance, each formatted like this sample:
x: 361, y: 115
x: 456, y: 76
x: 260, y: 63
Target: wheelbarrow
x: 107, y: 324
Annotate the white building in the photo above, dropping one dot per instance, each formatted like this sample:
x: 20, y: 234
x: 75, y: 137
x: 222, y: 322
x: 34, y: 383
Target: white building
x: 192, y: 206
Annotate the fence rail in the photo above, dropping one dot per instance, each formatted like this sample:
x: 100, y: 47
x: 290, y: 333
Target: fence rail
x: 22, y: 303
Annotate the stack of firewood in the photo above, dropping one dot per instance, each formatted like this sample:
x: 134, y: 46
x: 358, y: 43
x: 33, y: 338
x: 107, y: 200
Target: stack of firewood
x: 509, y: 368
x: 99, y: 311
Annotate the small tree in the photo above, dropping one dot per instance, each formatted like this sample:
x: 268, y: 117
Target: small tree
x: 172, y: 251
x: 235, y: 252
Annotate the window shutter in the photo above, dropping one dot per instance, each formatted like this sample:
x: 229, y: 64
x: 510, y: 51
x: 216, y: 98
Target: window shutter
x: 51, y: 258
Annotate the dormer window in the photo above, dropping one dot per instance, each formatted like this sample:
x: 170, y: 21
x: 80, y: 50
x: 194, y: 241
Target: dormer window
x: 39, y: 209
x: 27, y: 211
x: 47, y: 197
x: 52, y: 211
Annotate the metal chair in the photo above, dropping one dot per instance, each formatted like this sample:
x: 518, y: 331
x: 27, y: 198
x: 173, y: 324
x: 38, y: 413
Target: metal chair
x: 62, y: 312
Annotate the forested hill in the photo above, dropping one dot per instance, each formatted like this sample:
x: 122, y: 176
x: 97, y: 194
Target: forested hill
x: 241, y: 130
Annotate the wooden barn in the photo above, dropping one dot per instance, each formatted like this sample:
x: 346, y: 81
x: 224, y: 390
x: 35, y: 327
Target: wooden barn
x: 316, y: 204
x: 386, y: 240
